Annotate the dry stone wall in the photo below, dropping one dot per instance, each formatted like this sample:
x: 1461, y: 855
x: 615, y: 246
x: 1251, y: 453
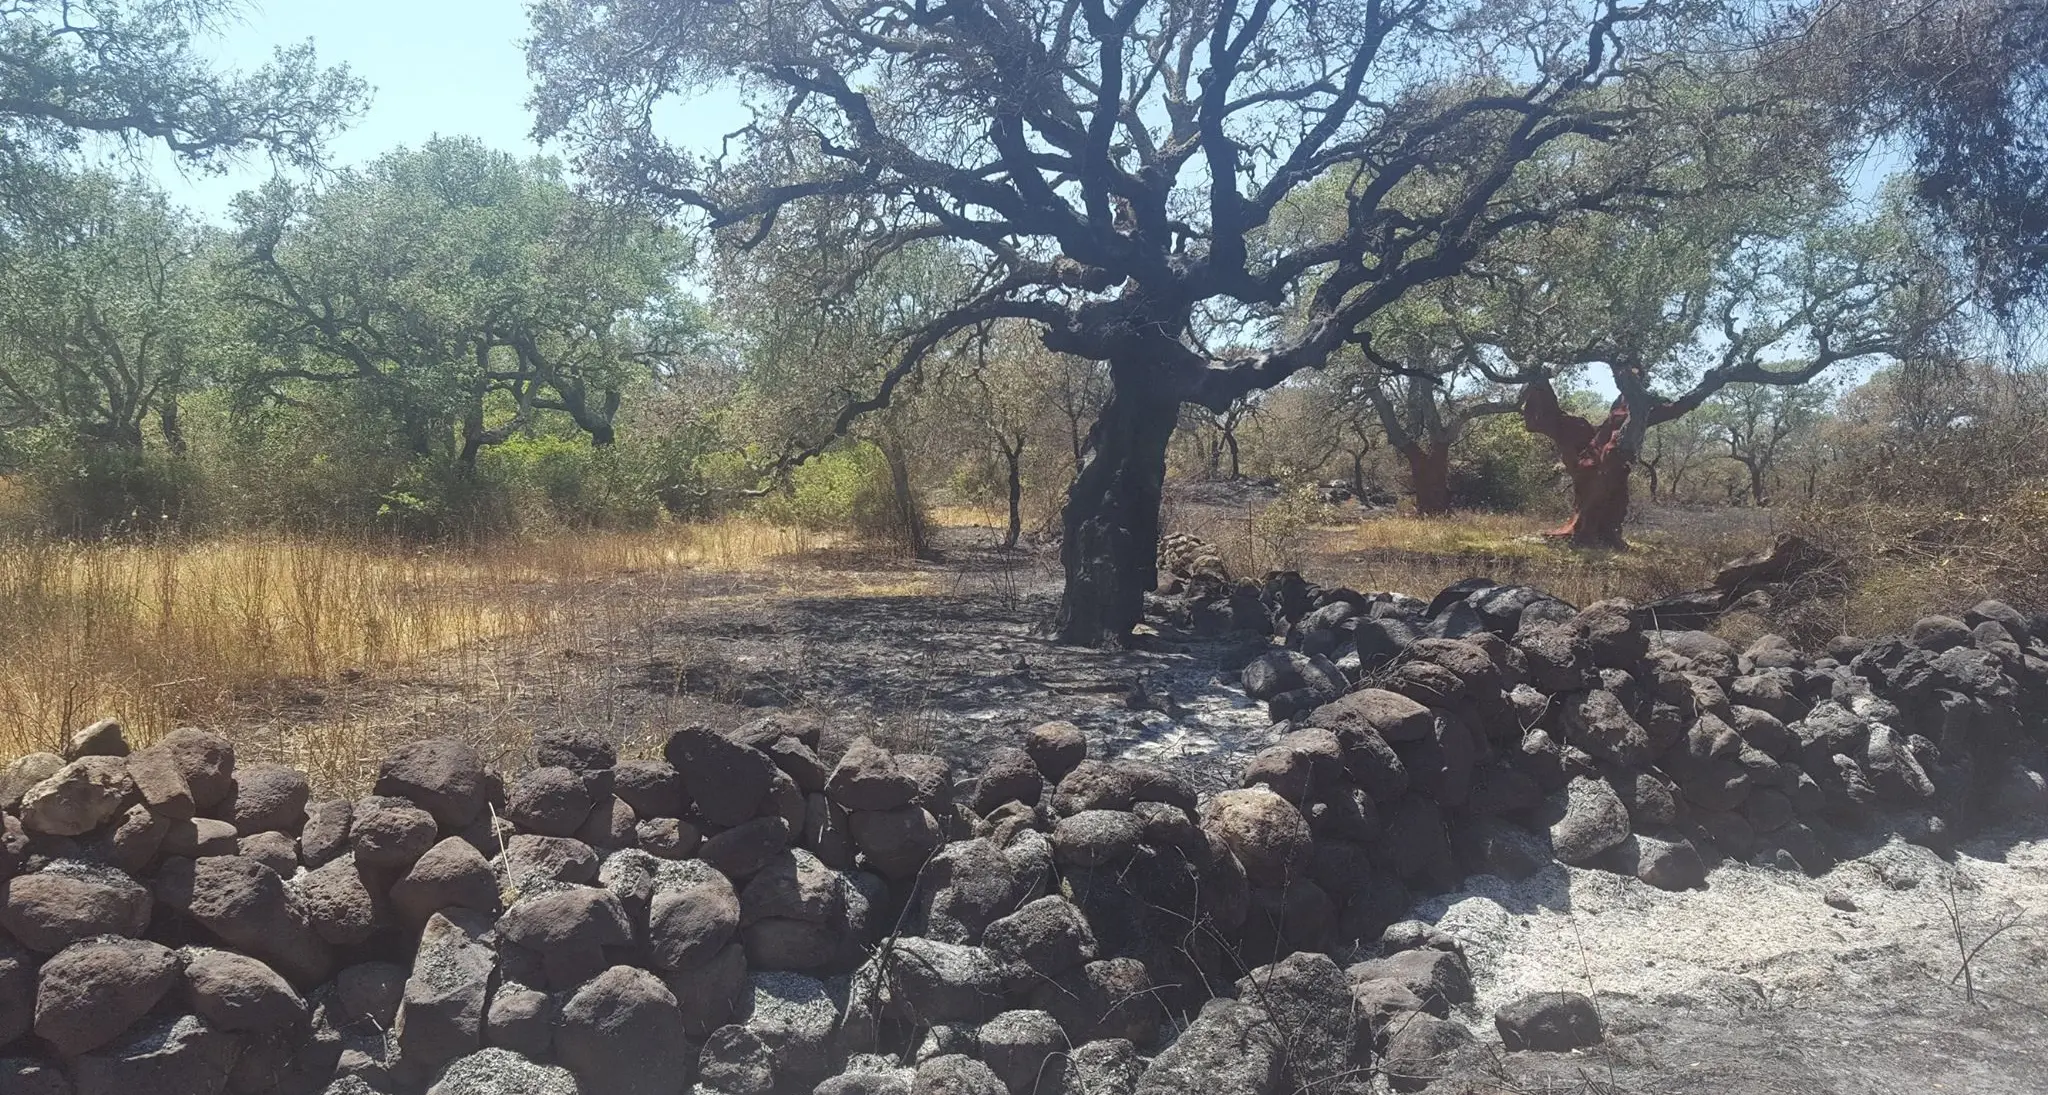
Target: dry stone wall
x: 746, y: 917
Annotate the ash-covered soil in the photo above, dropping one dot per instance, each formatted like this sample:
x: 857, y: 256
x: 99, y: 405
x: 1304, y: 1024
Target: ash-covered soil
x: 1768, y: 982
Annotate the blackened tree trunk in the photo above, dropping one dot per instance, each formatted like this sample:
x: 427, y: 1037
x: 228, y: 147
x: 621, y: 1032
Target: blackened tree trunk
x: 1230, y: 442
x: 909, y: 513
x: 1111, y: 544
x: 1013, y: 456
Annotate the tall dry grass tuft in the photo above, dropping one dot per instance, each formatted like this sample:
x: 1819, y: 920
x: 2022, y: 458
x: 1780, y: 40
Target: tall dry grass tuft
x: 162, y: 633
x: 1905, y: 562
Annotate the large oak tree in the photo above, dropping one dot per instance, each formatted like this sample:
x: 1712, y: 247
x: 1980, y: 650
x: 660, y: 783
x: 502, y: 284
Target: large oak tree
x: 1111, y: 170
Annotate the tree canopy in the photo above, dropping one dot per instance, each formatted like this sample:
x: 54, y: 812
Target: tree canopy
x: 133, y: 70
x: 1112, y: 172
x: 437, y: 280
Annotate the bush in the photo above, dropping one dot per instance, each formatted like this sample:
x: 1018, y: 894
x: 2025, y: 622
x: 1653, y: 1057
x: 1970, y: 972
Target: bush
x: 571, y: 483
x: 1503, y: 468
x: 94, y: 491
x: 1281, y: 532
x: 845, y: 490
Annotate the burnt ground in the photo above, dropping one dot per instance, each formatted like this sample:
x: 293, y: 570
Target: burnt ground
x: 944, y: 656
x: 947, y: 657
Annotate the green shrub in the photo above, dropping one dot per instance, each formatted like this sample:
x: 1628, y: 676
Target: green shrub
x: 91, y: 490
x: 1501, y: 467
x: 571, y: 483
x: 845, y: 490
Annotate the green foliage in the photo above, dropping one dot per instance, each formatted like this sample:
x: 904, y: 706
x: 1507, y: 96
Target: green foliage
x: 844, y: 490
x: 480, y: 293
x: 137, y: 69
x: 1501, y: 467
x: 97, y: 490
x: 574, y: 484
x: 1281, y: 532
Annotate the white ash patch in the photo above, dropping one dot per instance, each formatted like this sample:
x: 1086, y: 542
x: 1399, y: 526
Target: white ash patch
x: 1754, y: 936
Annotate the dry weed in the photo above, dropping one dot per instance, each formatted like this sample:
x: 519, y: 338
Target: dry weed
x: 161, y: 633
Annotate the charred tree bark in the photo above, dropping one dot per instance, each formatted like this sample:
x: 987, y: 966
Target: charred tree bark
x: 1013, y: 457
x: 1111, y: 545
x: 909, y: 515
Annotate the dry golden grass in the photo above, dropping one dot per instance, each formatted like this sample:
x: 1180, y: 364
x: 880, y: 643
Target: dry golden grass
x: 1420, y: 556
x: 161, y: 633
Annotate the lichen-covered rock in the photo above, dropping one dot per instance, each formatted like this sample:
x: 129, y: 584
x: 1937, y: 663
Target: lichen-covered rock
x: 1600, y: 724
x: 1107, y: 1067
x: 927, y: 981
x: 1111, y: 998
x: 498, y: 1071
x: 442, y: 776
x: 1049, y: 937
x: 1422, y: 1049
x: 77, y: 798
x: 1440, y: 979
x: 967, y: 886
x: 441, y: 1014
x: 91, y: 991
x: 1020, y: 1047
x: 171, y: 1055
x: 618, y: 1033
x: 69, y: 901
x: 1266, y: 832
x: 1094, y: 838
x: 235, y: 992
x: 1229, y: 1047
x: 1587, y: 818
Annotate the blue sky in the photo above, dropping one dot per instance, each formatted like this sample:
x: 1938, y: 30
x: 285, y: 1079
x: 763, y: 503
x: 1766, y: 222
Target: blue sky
x: 437, y: 66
